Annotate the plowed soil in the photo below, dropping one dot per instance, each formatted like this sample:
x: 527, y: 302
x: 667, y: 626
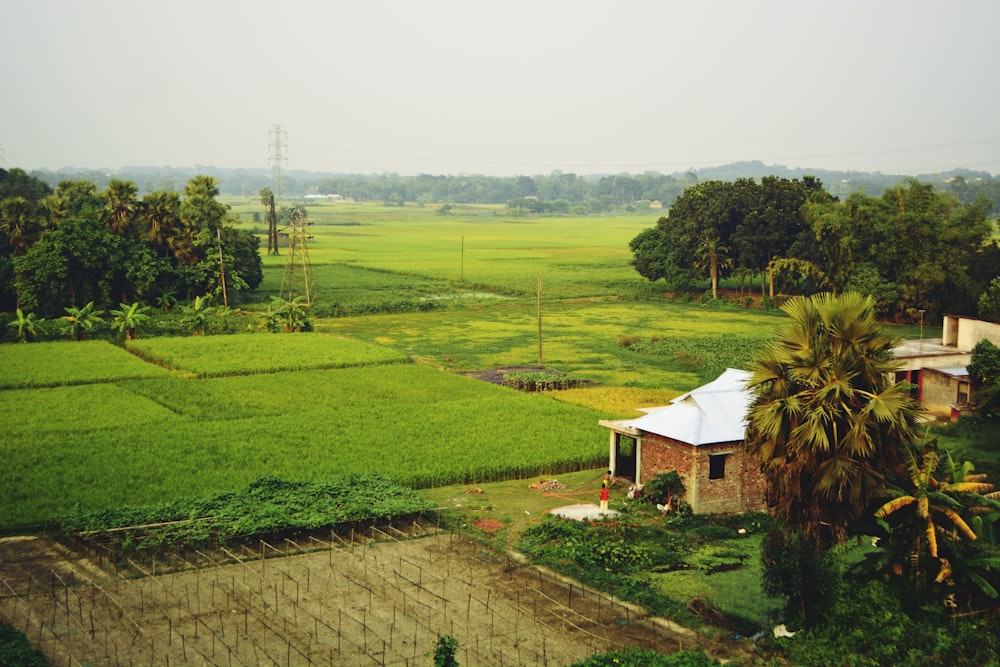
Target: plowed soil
x: 362, y: 602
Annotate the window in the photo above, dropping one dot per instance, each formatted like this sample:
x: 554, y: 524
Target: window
x: 717, y: 466
x: 963, y: 393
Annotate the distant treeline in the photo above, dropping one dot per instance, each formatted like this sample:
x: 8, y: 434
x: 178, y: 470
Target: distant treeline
x: 562, y: 192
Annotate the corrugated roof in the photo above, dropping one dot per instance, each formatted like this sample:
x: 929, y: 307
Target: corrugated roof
x: 713, y: 413
x: 954, y: 371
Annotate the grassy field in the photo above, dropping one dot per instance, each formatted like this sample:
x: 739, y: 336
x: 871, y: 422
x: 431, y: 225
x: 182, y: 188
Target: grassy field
x: 93, y: 426
x: 150, y: 440
x: 364, y: 253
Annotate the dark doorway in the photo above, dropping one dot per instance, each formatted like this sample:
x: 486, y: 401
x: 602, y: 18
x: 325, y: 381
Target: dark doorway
x: 625, y: 455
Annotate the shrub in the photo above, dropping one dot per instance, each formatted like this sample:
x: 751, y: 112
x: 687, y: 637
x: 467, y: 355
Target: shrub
x: 17, y: 651
x: 644, y: 657
x: 661, y: 486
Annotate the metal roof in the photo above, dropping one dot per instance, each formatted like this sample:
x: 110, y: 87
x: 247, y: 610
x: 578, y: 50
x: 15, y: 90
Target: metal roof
x: 713, y: 413
x: 954, y: 371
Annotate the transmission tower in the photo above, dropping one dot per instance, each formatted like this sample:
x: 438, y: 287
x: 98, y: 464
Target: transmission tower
x: 298, y: 279
x: 276, y: 138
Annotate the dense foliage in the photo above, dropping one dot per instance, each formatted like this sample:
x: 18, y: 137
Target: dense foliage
x: 911, y: 249
x: 984, y: 371
x: 16, y: 650
x: 643, y: 657
x: 267, y: 506
x: 828, y: 421
x: 79, y: 245
x: 868, y: 625
x: 626, y: 557
x: 539, y: 381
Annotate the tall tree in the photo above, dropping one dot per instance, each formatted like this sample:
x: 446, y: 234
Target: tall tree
x: 19, y: 221
x: 159, y: 217
x: 121, y: 204
x: 827, y: 423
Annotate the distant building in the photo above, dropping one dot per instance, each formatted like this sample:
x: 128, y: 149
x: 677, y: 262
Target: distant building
x: 326, y: 197
x: 700, y: 436
x: 939, y: 370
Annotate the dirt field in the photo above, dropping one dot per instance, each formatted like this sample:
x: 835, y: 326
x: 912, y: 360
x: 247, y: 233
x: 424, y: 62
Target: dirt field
x: 333, y: 602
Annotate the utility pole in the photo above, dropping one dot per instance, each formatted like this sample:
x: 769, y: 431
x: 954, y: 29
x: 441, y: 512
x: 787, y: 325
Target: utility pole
x: 272, y: 225
x: 276, y: 140
x: 921, y: 311
x: 222, y: 270
x: 540, y: 364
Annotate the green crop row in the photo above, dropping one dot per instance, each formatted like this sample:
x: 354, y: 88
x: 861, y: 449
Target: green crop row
x: 68, y: 363
x: 213, y: 356
x: 708, y: 355
x: 150, y: 441
x: 268, y: 505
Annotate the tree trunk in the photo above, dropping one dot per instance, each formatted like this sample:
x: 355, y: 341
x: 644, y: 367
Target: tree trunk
x: 714, y: 272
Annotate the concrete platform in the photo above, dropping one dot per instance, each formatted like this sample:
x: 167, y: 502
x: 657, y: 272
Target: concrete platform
x: 584, y: 512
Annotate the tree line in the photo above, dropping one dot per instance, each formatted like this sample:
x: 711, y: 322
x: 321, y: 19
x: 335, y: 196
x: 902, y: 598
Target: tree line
x: 913, y: 248
x: 561, y: 192
x: 76, y: 245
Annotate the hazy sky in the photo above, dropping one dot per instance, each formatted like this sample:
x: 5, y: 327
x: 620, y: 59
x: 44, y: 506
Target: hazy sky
x: 501, y: 86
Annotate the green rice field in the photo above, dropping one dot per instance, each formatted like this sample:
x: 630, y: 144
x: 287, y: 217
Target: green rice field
x: 93, y: 425
x: 134, y: 442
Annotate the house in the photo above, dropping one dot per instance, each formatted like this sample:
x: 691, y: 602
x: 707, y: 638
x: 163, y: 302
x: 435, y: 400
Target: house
x: 699, y: 435
x: 939, y: 370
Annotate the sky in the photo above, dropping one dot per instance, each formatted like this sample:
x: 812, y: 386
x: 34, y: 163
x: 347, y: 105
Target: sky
x: 501, y: 87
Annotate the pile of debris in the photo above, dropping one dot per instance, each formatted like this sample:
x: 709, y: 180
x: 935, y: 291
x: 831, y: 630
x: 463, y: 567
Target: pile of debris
x: 547, y: 485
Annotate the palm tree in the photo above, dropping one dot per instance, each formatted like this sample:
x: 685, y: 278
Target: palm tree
x: 827, y: 423
x: 80, y: 320
x: 26, y: 325
x: 19, y: 222
x: 120, y: 207
x: 128, y: 318
x: 160, y: 218
x: 53, y: 209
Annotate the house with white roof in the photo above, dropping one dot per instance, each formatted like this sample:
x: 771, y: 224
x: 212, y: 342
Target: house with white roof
x: 698, y: 435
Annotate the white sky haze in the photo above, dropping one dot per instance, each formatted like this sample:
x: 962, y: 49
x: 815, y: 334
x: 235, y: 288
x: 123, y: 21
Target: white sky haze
x: 501, y: 87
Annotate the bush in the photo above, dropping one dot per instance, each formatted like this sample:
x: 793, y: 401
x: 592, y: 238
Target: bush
x: 657, y: 490
x: 869, y: 625
x: 644, y: 657
x: 17, y: 651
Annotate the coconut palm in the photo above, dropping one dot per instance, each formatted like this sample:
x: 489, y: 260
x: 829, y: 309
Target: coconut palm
x: 80, y: 320
x: 827, y: 423
x: 128, y: 318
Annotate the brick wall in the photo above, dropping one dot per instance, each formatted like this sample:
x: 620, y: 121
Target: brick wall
x: 740, y: 488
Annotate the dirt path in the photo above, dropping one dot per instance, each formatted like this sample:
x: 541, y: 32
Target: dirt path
x: 380, y: 602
